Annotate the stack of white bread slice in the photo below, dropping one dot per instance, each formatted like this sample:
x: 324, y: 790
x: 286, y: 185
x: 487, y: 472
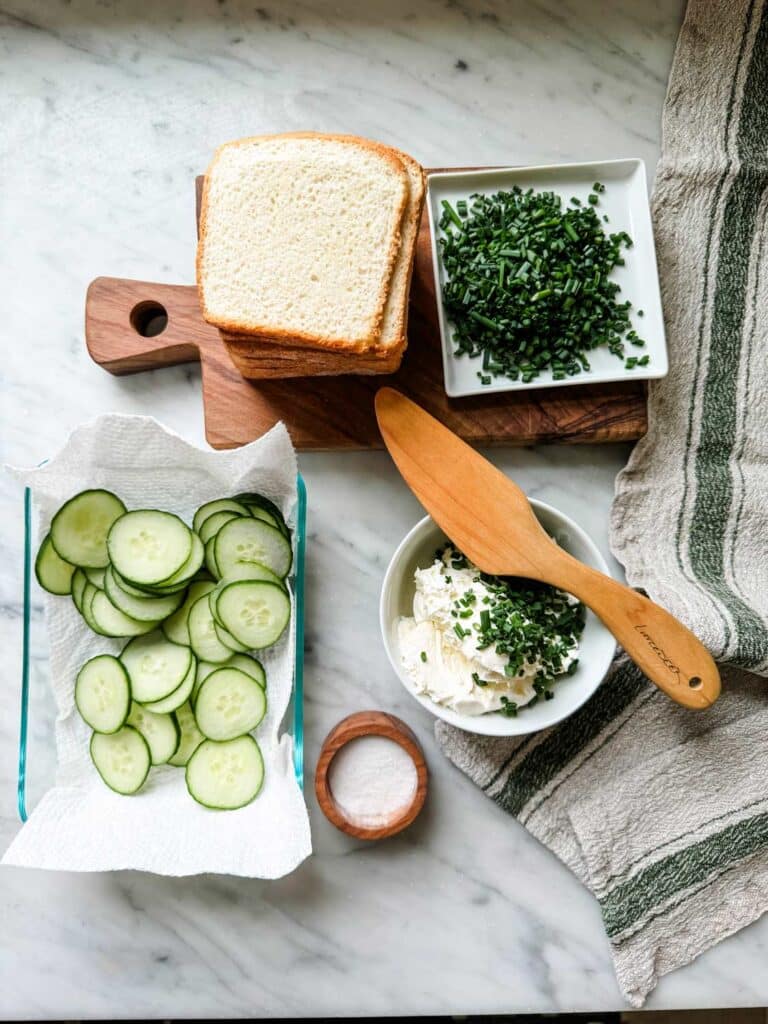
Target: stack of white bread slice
x: 306, y: 250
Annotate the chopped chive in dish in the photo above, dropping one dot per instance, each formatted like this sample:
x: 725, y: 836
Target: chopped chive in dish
x: 529, y: 284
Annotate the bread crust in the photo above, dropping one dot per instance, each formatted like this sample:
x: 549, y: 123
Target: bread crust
x: 301, y: 338
x: 259, y: 359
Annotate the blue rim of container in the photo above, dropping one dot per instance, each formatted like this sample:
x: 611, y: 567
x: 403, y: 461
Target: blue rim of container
x: 298, y: 639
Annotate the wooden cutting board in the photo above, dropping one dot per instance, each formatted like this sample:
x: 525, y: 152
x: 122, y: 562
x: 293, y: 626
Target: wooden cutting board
x: 336, y: 413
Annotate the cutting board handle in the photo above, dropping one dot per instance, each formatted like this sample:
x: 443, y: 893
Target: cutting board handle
x: 138, y: 325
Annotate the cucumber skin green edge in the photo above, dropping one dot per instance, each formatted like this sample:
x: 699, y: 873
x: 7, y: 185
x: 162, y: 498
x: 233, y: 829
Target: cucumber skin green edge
x: 177, y: 727
x: 146, y: 774
x: 165, y: 639
x: 94, y: 490
x: 211, y: 807
x: 252, y: 679
x: 156, y: 511
x: 280, y: 533
x: 122, y: 668
x: 44, y: 543
x: 263, y: 583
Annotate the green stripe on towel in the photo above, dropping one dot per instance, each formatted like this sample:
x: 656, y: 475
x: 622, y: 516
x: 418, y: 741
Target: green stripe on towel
x: 706, y: 543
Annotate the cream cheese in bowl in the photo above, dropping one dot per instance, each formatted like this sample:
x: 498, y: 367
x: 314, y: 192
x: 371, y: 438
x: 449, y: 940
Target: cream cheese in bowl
x: 459, y: 672
x: 450, y: 646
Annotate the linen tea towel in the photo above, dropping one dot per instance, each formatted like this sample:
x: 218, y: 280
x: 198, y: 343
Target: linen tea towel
x: 675, y: 875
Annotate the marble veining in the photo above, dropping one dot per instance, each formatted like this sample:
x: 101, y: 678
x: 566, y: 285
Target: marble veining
x: 109, y: 109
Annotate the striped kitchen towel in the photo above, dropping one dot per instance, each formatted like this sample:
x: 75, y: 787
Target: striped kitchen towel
x: 661, y: 812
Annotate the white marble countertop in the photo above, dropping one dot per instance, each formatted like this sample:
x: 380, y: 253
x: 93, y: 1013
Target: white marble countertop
x: 109, y: 109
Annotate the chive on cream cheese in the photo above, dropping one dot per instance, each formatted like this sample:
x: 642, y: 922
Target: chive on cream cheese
x: 477, y: 643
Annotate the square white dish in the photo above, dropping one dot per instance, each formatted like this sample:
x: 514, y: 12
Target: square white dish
x: 625, y: 202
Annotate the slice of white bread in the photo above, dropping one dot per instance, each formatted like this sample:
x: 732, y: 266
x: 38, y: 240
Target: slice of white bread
x: 299, y: 237
x: 262, y: 357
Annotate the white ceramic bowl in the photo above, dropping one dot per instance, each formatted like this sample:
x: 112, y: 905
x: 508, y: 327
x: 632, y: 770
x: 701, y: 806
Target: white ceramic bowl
x: 417, y: 551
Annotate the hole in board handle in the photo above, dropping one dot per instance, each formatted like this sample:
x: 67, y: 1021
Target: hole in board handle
x: 149, y: 318
x: 695, y: 683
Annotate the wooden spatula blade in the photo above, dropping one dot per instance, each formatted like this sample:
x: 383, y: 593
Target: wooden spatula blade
x: 485, y: 515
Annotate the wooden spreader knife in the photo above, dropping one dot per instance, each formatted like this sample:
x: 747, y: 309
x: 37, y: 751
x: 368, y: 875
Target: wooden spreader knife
x: 489, y: 518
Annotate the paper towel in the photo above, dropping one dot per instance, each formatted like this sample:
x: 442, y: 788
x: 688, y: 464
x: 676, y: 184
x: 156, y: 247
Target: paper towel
x: 80, y: 824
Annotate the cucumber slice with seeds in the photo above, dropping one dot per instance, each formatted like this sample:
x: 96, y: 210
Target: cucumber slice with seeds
x: 144, y: 609
x: 52, y: 572
x: 229, y: 704
x: 175, y: 628
x: 122, y: 759
x: 107, y: 620
x: 80, y: 527
x: 214, y: 523
x: 225, y: 775
x: 179, y: 696
x: 155, y: 667
x: 161, y: 732
x: 220, y: 505
x: 244, y: 541
x: 191, y: 737
x: 255, y: 612
x: 148, y: 546
x: 103, y: 693
x: 202, y: 634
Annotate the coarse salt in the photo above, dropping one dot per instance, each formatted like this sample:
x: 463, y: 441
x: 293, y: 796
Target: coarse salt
x: 372, y: 780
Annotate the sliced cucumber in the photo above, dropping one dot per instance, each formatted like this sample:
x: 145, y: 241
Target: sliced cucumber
x: 229, y: 704
x: 214, y: 523
x: 80, y: 527
x: 250, y: 666
x: 79, y: 583
x: 103, y: 693
x: 145, y: 609
x: 255, y: 612
x: 148, y: 546
x: 225, y: 776
x: 122, y: 759
x: 202, y: 634
x: 53, y: 573
x: 253, y: 500
x: 96, y: 577
x: 107, y: 620
x: 210, y: 559
x: 188, y: 570
x: 175, y: 627
x: 245, y: 662
x: 220, y: 505
x: 228, y: 640
x: 129, y: 588
x: 251, y: 571
x: 251, y: 540
x: 155, y: 666
x: 267, y: 517
x: 161, y: 732
x: 86, y: 598
x: 191, y: 737
x: 179, y: 696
